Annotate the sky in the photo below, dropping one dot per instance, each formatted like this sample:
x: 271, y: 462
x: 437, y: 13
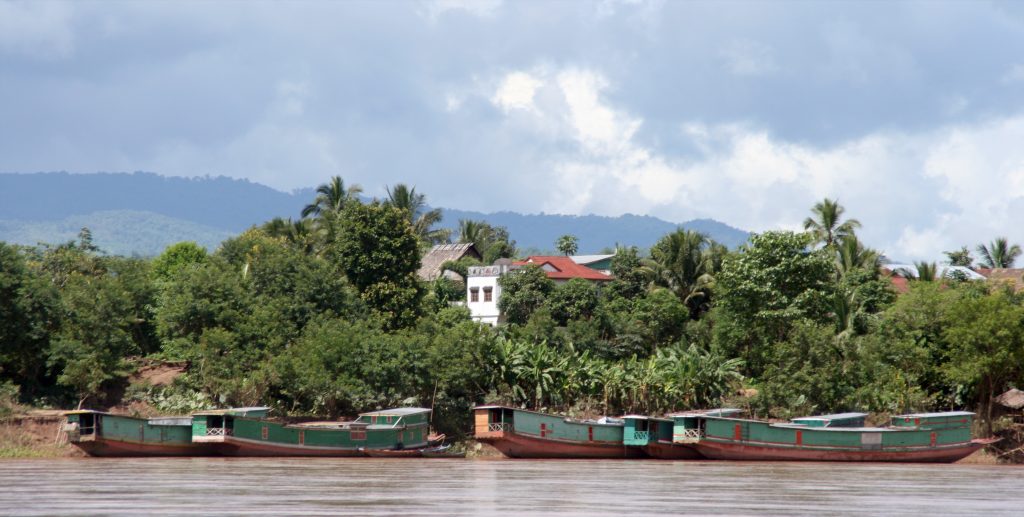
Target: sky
x: 910, y: 113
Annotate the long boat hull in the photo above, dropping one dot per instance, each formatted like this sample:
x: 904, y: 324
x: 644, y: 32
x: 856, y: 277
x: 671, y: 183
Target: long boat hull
x: 234, y: 446
x: 749, y: 452
x: 102, y: 447
x: 672, y: 451
x: 518, y: 445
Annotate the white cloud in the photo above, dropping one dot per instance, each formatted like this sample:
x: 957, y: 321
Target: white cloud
x: 917, y: 194
x: 516, y: 92
x: 38, y: 29
x: 1015, y: 74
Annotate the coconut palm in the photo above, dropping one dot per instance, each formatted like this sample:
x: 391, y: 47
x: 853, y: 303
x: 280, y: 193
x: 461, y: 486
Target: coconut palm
x: 998, y: 254
x: 567, y: 244
x: 331, y: 197
x: 926, y: 271
x: 683, y: 261
x: 827, y: 225
x: 422, y: 220
x: 851, y: 254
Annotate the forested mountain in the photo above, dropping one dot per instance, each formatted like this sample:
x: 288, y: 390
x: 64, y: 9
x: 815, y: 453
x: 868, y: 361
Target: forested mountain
x: 141, y: 213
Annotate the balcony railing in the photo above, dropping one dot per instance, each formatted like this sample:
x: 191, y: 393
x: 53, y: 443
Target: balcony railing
x: 218, y: 431
x: 498, y: 427
x: 688, y: 436
x: 642, y: 435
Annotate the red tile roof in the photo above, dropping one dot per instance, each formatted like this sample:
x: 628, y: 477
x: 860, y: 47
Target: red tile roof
x: 563, y: 268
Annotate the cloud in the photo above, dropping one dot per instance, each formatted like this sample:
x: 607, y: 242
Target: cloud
x: 36, y: 29
x: 917, y: 194
x: 516, y: 92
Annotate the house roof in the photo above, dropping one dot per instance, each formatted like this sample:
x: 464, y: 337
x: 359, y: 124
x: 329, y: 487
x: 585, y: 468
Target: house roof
x: 1011, y: 276
x: 430, y: 265
x: 563, y: 268
x: 910, y: 271
x: 586, y: 260
x: 1013, y: 399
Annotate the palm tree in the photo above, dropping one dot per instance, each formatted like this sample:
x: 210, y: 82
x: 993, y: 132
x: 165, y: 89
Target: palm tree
x: 826, y: 226
x: 567, y: 244
x: 998, y: 254
x: 405, y: 198
x: 475, y: 232
x: 331, y: 197
x: 926, y: 271
x: 683, y: 261
x: 851, y: 254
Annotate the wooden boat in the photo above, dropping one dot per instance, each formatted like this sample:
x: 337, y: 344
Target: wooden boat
x: 919, y: 437
x: 519, y: 433
x: 236, y: 432
x: 104, y: 434
x: 441, y: 452
x: 667, y: 438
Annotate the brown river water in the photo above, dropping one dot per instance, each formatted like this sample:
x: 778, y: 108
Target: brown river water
x: 222, y: 486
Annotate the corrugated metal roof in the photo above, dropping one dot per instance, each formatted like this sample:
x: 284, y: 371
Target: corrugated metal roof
x: 584, y: 260
x: 835, y: 416
x: 910, y: 270
x: 397, y: 411
x: 430, y: 264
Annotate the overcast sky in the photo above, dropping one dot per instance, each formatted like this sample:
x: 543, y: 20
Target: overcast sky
x: 912, y: 114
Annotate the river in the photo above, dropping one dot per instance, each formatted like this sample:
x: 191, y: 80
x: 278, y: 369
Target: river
x: 242, y: 486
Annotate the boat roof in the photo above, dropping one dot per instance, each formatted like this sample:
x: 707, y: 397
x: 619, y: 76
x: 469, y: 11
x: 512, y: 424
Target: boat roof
x: 933, y: 415
x: 239, y: 411
x: 400, y: 411
x: 834, y: 416
x: 837, y: 429
x: 84, y: 412
x: 707, y: 412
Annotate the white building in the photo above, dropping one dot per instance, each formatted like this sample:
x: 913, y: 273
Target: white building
x: 483, y: 292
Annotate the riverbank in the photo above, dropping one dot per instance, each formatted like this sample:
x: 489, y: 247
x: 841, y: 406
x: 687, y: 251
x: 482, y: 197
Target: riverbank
x: 34, y: 435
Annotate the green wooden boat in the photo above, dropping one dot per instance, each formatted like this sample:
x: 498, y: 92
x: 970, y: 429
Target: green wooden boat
x: 669, y: 437
x: 918, y: 437
x: 104, y: 434
x: 519, y: 433
x: 247, y: 432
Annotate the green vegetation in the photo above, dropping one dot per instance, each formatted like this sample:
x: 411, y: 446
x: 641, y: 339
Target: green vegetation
x: 324, y: 316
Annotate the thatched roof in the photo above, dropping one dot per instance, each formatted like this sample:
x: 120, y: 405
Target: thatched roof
x: 1013, y: 399
x: 430, y: 265
x: 1012, y: 276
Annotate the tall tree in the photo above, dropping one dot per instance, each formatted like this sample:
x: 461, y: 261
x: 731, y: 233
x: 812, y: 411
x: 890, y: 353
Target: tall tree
x: 827, y: 225
x: 998, y: 254
x: 851, y: 254
x: 331, y: 197
x: 568, y: 244
x: 960, y: 257
x: 414, y: 205
x: 379, y: 254
x: 683, y: 262
x: 492, y: 242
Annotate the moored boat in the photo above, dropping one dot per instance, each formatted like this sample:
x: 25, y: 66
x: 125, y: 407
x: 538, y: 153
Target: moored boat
x: 671, y: 437
x: 105, y: 434
x: 395, y: 432
x: 918, y: 438
x: 518, y: 433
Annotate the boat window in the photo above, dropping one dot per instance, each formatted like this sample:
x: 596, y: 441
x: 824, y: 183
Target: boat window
x: 87, y: 423
x: 358, y: 435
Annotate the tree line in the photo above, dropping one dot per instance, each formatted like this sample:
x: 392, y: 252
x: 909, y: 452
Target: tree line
x: 324, y: 316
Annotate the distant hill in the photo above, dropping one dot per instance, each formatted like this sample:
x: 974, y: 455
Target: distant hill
x: 141, y: 213
x: 117, y: 232
x: 595, y: 232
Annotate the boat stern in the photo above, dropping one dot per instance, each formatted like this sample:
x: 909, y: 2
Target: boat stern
x: 492, y: 422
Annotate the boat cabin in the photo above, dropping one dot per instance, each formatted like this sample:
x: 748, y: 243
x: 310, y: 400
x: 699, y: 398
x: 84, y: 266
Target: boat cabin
x: 216, y: 424
x: 82, y: 425
x: 689, y: 426
x: 492, y: 419
x: 946, y: 420
x: 834, y: 420
x: 640, y: 430
x: 397, y: 417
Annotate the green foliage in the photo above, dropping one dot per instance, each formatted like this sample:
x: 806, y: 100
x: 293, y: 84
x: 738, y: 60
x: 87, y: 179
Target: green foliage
x: 379, y: 254
x: 774, y: 282
x: 493, y: 242
x: 574, y: 300
x: 29, y: 313
x: 685, y: 262
x: 177, y: 257
x: 523, y: 291
x: 960, y: 257
x: 1000, y: 253
x: 630, y: 278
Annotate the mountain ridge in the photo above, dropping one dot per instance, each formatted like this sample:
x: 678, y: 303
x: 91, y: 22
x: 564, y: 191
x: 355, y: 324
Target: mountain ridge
x: 117, y: 207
